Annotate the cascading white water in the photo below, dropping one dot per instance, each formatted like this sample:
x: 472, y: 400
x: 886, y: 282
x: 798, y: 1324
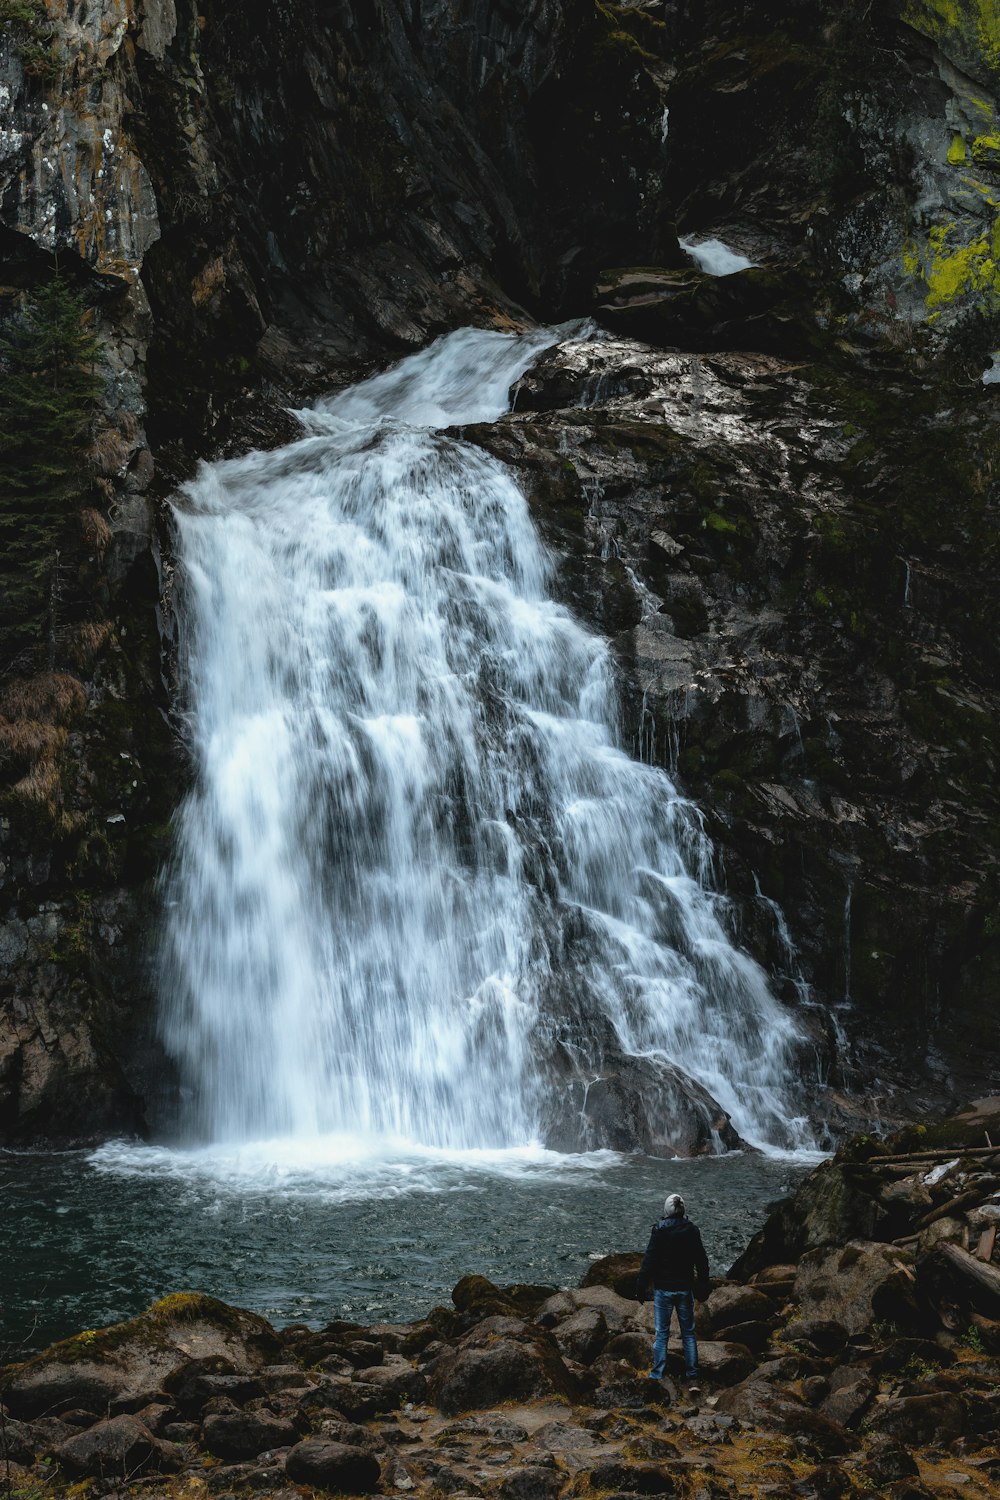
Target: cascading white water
x: 415, y: 861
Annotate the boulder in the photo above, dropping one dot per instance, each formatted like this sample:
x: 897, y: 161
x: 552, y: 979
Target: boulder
x: 18, y: 1443
x: 628, y: 1394
x: 757, y: 1403
x: 915, y: 1421
x: 328, y: 1465
x: 723, y: 1363
x: 120, y: 1448
x: 857, y: 1284
x: 850, y: 1396
x: 504, y: 1370
x: 730, y: 1304
x: 617, y: 1272
x: 823, y: 1336
x: 358, y: 1400
x: 620, y: 1313
x: 774, y: 1280
x: 633, y: 1479
x: 195, y: 1382
x: 529, y: 1482
x: 902, y: 1352
x: 583, y: 1335
x: 754, y: 1336
x: 836, y: 1203
x: 564, y: 1437
x: 274, y: 1378
x: 885, y: 1462
x: 476, y: 1297
x: 135, y: 1358
x: 36, y: 1390
x: 398, y: 1381
x: 243, y: 1435
x: 634, y: 1348
x: 828, y: 1482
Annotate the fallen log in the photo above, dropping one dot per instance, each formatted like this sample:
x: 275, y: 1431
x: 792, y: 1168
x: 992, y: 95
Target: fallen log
x: 932, y: 1154
x: 951, y: 1207
x: 982, y: 1280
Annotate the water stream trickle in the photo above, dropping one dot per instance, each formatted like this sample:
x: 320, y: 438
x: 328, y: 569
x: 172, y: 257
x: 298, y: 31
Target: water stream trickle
x: 417, y: 874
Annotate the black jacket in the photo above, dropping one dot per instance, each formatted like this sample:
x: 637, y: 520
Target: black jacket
x: 675, y: 1259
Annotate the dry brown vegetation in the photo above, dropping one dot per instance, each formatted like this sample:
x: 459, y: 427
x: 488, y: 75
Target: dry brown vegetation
x: 35, y: 716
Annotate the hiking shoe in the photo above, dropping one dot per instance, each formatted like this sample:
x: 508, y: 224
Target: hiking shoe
x: 694, y: 1389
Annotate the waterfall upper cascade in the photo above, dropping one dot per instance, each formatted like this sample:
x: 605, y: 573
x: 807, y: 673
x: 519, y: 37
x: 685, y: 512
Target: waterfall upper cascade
x: 420, y: 891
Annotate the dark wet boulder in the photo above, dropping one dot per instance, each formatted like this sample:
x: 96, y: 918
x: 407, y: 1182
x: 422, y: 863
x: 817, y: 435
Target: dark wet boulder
x: 617, y: 1272
x: 503, y: 1369
x: 753, y: 1336
x: 722, y: 1363
x: 18, y: 1442
x: 916, y: 1421
x: 731, y: 1304
x: 363, y: 1353
x: 851, y: 1394
x: 633, y: 1478
x: 828, y: 1482
x: 397, y: 1380
x: 130, y: 1362
x: 857, y: 1284
x: 48, y: 1387
x: 824, y: 1337
x: 529, y: 1482
x: 327, y: 1465
x: 639, y: 1104
x: 356, y: 1399
x: 911, y: 1351
x: 620, y: 1390
x: 634, y: 1348
x: 583, y: 1335
x: 119, y: 1448
x: 757, y: 1403
x: 836, y: 1203
x: 885, y: 1461
x: 195, y: 1382
x: 243, y: 1435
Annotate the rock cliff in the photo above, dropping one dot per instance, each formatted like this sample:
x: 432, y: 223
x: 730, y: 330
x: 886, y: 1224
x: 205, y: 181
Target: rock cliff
x: 777, y: 488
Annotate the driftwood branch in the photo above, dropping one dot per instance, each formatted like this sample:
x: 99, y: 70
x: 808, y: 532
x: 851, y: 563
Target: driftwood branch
x: 981, y: 1280
x: 942, y: 1153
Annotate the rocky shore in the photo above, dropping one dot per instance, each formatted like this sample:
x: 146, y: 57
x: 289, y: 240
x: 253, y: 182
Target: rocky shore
x: 852, y: 1350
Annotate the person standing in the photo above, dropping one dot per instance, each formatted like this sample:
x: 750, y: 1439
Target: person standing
x: 677, y: 1266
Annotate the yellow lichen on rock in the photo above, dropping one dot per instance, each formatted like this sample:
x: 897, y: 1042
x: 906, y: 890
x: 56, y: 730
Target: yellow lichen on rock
x: 952, y: 270
x: 966, y: 30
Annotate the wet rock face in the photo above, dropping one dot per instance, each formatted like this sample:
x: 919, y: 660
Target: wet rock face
x: 795, y: 620
x: 258, y: 199
x: 253, y: 201
x: 882, y: 119
x: 393, y: 170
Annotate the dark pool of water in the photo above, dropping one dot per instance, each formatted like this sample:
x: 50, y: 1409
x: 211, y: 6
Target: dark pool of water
x: 84, y: 1243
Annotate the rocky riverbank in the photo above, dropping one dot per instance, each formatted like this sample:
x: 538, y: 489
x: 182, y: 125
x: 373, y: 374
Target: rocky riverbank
x: 853, y: 1349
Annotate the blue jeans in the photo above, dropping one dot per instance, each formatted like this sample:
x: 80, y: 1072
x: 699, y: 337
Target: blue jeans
x: 663, y: 1308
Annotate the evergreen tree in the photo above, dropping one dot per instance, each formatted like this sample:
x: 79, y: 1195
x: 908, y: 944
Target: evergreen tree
x: 48, y: 395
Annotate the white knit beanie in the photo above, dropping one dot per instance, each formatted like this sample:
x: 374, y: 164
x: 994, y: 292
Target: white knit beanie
x: 674, y: 1206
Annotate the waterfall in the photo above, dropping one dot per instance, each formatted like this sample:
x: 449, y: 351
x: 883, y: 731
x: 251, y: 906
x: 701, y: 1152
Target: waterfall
x: 418, y: 883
